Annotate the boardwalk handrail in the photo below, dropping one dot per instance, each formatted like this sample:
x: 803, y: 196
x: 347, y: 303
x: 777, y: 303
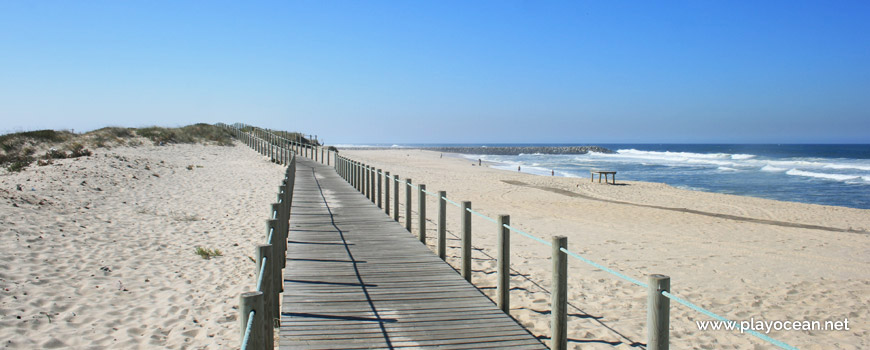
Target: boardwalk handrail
x: 259, y: 311
x: 354, y: 171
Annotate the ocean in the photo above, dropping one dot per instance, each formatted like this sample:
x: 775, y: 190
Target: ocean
x: 819, y: 174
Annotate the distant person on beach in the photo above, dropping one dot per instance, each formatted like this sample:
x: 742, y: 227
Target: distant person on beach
x: 518, y: 168
x: 441, y: 156
x: 552, y: 172
x: 478, y: 162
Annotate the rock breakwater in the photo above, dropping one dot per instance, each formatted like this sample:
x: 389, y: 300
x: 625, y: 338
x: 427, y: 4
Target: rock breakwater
x: 523, y: 150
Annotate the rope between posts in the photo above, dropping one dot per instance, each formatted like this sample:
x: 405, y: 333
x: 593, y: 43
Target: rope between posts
x: 723, y: 319
x: 262, y: 272
x: 451, y: 202
x: 483, y: 216
x: 605, y: 269
x: 431, y: 194
x: 528, y: 235
x: 248, y: 330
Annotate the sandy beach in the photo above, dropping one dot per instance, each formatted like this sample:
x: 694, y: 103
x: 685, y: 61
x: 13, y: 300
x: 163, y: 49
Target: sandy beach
x: 741, y: 257
x: 98, y: 252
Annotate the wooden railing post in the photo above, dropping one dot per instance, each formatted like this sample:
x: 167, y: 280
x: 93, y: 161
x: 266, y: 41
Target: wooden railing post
x: 357, y: 173
x: 364, y: 186
x: 442, y: 225
x: 252, y: 301
x: 277, y: 283
x: 504, y: 264
x: 559, y: 301
x: 281, y: 226
x: 269, y: 295
x: 371, y: 181
x: 658, y: 313
x: 387, y: 193
x: 379, y: 190
x: 421, y: 210
x: 408, y: 204
x: 396, y: 197
x: 466, y: 240
x: 372, y: 176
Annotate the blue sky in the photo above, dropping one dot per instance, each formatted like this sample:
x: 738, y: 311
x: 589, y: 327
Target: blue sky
x: 446, y: 71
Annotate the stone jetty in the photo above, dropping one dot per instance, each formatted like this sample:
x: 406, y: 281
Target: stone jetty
x: 522, y: 150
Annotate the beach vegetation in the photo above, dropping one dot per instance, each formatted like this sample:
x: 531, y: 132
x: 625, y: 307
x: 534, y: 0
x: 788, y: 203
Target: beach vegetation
x: 19, y: 164
x: 207, y: 253
x: 19, y: 150
x: 78, y: 150
x: 196, y: 133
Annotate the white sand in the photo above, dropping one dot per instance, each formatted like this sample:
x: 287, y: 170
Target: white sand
x: 60, y: 230
x: 98, y: 252
x: 736, y: 268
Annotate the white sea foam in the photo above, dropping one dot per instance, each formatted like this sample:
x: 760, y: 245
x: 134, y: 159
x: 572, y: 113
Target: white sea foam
x: 356, y: 146
x: 681, y: 155
x: 742, y: 156
x: 847, y: 166
x: 820, y: 164
x: 773, y: 169
x: 837, y: 177
x: 723, y: 168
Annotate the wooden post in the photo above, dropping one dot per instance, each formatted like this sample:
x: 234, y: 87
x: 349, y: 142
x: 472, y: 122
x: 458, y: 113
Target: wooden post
x: 387, y: 193
x: 270, y: 297
x: 408, y: 204
x: 559, y: 301
x: 281, y: 226
x: 251, y: 301
x: 396, y: 197
x: 504, y: 264
x: 379, y: 190
x: 466, y: 240
x: 372, y: 180
x: 369, y: 179
x: 442, y: 225
x: 658, y: 312
x: 365, y: 181
x: 274, y: 266
x: 421, y: 210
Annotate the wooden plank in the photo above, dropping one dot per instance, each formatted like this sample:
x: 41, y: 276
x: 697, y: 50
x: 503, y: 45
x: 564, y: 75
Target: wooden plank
x: 356, y: 279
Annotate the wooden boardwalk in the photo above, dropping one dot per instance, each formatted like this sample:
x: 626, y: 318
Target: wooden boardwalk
x: 356, y: 279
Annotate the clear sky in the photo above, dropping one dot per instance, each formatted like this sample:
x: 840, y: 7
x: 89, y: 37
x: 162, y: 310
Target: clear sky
x: 446, y: 71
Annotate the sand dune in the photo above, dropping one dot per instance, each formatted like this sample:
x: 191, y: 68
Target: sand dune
x: 98, y: 252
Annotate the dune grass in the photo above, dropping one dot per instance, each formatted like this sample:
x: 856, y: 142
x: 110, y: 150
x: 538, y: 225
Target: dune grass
x: 19, y: 150
x: 207, y: 253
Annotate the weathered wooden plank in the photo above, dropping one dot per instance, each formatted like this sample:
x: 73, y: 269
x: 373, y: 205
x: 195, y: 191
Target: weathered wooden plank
x: 356, y: 279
